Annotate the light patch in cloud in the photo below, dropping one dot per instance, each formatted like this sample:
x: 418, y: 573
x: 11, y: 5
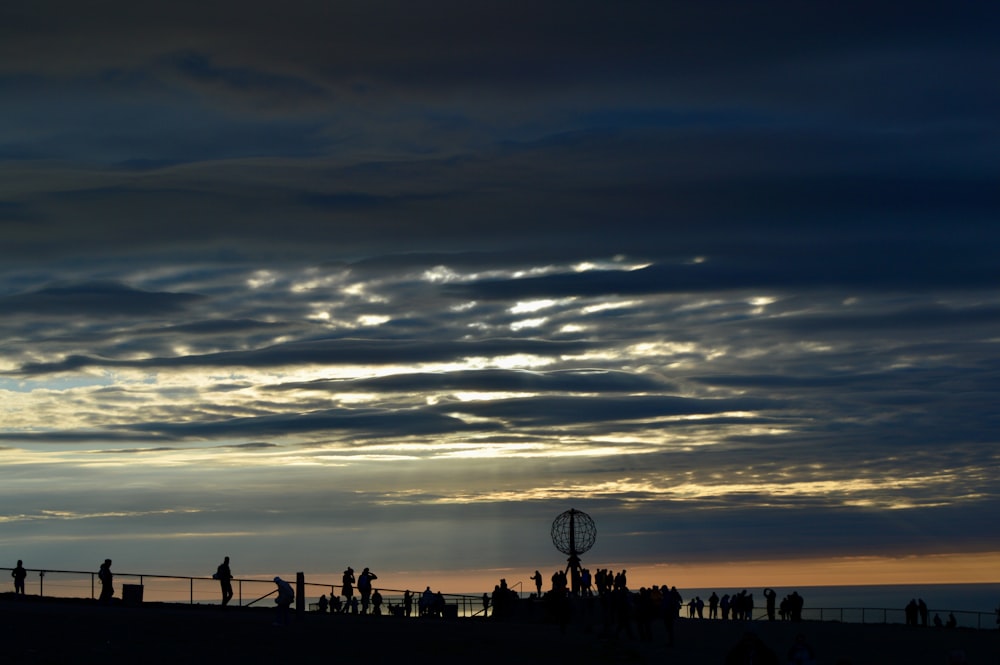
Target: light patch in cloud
x: 515, y: 361
x: 67, y: 515
x: 262, y: 279
x: 525, y: 324
x: 373, y: 320
x: 609, y: 306
x: 531, y: 306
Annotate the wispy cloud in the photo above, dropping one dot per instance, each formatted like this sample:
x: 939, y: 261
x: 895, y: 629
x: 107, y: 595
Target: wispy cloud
x: 359, y: 275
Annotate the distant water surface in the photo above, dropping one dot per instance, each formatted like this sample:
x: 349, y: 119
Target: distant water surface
x: 941, y: 598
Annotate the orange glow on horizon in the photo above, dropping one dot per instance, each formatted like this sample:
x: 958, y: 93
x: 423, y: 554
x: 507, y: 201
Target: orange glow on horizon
x: 976, y: 568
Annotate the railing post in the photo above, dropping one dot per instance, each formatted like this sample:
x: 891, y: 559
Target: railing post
x: 300, y: 593
x: 41, y: 583
x: 191, y: 581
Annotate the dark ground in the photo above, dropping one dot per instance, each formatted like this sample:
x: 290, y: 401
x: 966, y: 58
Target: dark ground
x: 67, y: 631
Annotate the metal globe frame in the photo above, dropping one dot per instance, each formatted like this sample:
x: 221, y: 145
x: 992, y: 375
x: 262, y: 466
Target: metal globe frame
x: 573, y: 533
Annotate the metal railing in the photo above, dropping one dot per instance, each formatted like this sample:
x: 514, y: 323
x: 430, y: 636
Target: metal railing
x: 168, y: 588
x: 393, y: 601
x: 873, y: 615
x: 963, y: 618
x: 191, y: 590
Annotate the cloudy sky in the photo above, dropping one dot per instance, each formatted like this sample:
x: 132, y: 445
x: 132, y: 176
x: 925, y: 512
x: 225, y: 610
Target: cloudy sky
x: 393, y: 284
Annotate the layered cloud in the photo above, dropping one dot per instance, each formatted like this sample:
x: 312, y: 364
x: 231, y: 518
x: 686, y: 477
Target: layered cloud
x: 356, y: 273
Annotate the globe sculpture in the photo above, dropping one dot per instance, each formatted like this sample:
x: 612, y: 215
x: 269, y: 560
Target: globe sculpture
x: 573, y: 533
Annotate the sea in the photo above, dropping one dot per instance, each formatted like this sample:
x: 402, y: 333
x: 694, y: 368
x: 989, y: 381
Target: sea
x: 974, y: 605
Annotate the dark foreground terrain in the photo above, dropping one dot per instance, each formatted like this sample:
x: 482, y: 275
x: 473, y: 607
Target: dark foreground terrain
x: 65, y: 631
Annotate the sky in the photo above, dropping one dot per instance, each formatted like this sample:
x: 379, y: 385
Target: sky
x: 393, y: 284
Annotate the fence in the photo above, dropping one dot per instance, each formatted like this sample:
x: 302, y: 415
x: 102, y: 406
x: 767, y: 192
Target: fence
x: 191, y: 590
x: 963, y: 618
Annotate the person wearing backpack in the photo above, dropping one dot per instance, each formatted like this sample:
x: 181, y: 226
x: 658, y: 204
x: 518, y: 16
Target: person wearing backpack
x: 106, y: 577
x: 284, y: 600
x: 225, y: 577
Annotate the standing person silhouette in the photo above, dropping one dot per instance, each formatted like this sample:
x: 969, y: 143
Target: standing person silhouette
x: 770, y: 595
x: 347, y: 587
x: 106, y: 577
x: 365, y: 588
x: 19, y: 573
x: 225, y: 576
x: 537, y: 577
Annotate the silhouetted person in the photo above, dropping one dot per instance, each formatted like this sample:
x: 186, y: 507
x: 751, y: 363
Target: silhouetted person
x: 937, y: 621
x: 713, y: 606
x: 586, y: 581
x: 769, y: 597
x: 643, y: 611
x: 347, y: 588
x: 952, y: 622
x: 738, y: 605
x: 795, y: 605
x: 225, y: 577
x: 537, y: 578
x: 284, y: 600
x: 922, y: 611
x: 426, y: 602
x: 19, y: 573
x: 600, y: 579
x: 365, y: 588
x: 376, y: 603
x: 671, y: 605
x: 323, y: 604
x: 407, y: 603
x: 558, y: 582
x: 106, y: 577
x: 621, y: 601
x: 486, y: 604
x: 499, y: 602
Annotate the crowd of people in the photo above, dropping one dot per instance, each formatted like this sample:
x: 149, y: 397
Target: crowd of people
x: 369, y: 600
x: 622, y: 606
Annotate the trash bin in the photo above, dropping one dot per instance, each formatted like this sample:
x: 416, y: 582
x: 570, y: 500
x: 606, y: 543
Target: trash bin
x: 132, y: 594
